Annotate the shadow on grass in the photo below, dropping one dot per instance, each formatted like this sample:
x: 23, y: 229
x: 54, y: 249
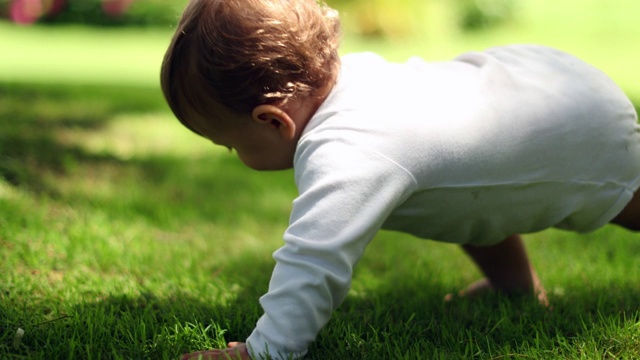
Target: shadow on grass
x: 394, y: 321
x: 412, y: 321
x: 30, y: 115
x: 159, y: 187
x: 143, y: 326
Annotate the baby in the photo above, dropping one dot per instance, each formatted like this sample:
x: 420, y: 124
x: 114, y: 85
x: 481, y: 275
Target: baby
x: 472, y: 151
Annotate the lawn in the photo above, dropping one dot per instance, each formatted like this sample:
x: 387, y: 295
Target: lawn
x: 122, y: 235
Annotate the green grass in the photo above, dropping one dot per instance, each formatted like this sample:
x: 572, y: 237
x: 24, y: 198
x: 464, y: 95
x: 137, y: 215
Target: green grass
x: 122, y: 235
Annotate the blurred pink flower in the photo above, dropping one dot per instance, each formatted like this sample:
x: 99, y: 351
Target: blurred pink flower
x: 29, y: 11
x: 25, y: 11
x: 115, y: 7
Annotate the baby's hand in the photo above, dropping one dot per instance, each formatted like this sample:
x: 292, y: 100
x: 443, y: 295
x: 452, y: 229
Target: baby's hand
x: 235, y: 351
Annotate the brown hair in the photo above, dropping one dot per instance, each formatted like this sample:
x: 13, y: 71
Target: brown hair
x: 243, y: 53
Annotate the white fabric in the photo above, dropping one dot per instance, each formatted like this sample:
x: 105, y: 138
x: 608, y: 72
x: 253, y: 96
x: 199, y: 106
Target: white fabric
x: 512, y: 140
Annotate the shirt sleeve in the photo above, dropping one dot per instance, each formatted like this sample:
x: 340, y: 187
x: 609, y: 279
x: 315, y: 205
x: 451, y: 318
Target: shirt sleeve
x: 346, y: 193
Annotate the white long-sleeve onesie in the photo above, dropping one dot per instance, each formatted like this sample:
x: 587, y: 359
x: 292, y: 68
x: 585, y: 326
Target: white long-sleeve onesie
x: 511, y: 140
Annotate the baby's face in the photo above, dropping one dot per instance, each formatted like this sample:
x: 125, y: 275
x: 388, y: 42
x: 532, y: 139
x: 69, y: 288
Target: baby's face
x: 256, y: 148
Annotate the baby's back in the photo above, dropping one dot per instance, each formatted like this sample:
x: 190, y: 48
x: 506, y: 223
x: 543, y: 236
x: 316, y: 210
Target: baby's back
x: 511, y: 140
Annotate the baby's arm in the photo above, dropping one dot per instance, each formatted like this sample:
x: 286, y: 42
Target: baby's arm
x: 345, y: 196
x: 507, y: 269
x: 346, y: 193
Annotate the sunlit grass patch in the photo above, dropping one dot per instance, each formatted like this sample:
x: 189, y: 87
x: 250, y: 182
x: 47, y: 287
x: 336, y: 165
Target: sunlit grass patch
x: 80, y: 55
x: 139, y: 135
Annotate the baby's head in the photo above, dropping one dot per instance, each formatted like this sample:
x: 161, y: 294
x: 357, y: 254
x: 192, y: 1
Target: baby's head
x: 228, y: 57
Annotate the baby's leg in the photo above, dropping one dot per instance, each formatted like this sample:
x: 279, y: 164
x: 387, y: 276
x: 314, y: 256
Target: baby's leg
x: 630, y: 216
x: 507, y: 269
x: 505, y: 264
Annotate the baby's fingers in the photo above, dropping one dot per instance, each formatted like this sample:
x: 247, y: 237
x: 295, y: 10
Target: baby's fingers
x: 475, y: 289
x: 235, y: 351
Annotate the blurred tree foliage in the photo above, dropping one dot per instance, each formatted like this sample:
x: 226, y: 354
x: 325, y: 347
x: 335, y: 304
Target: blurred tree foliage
x: 477, y: 14
x: 403, y: 17
x: 391, y: 18
x: 139, y: 13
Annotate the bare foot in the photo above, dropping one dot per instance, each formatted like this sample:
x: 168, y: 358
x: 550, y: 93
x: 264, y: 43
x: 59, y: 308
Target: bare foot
x: 484, y: 286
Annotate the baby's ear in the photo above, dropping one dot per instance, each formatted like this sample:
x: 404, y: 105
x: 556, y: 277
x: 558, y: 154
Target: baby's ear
x: 275, y: 119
